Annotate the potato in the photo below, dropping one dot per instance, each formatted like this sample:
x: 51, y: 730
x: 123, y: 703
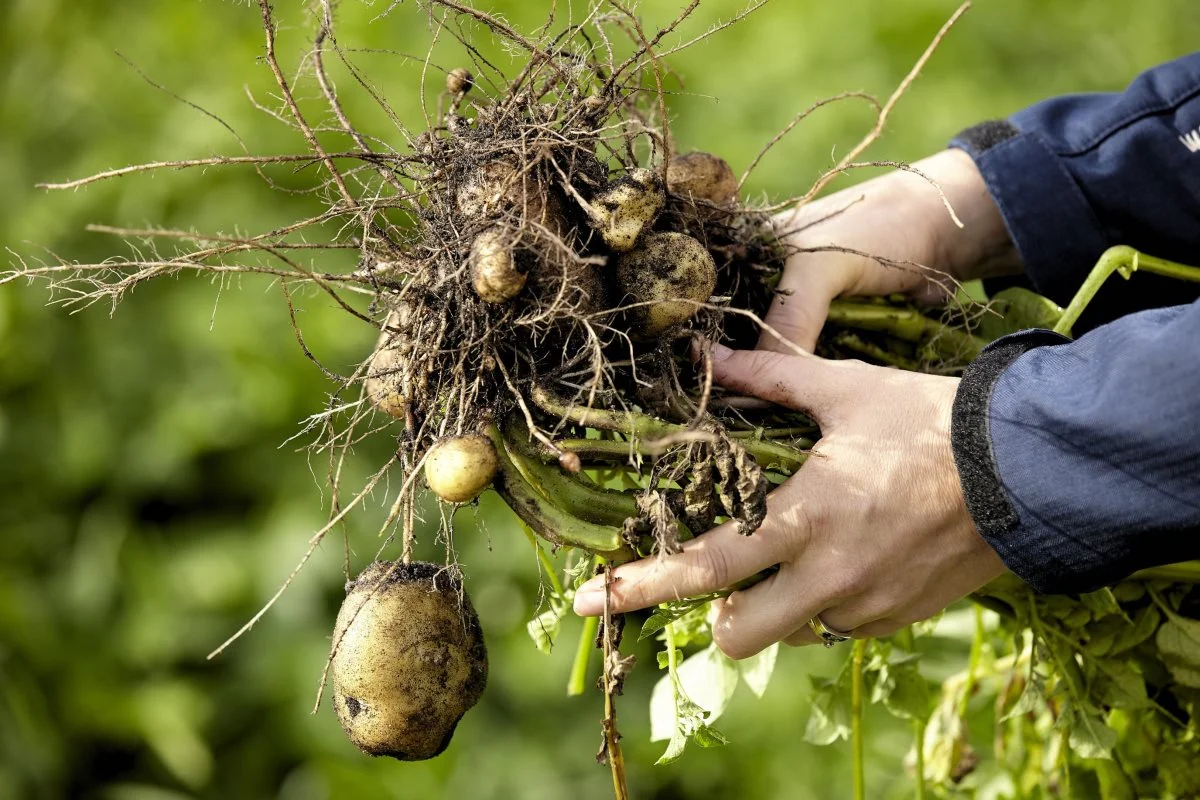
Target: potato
x: 408, y: 661
x: 671, y: 273
x: 702, y: 176
x: 384, y: 382
x: 459, y: 81
x: 493, y: 262
x: 459, y: 468
x: 627, y: 207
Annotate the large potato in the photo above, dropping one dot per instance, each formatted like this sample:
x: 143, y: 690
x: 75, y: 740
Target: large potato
x: 409, y: 660
x: 663, y: 281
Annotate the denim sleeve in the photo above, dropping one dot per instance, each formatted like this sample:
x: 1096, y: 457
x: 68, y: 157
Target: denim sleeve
x: 1080, y: 461
x: 1075, y: 175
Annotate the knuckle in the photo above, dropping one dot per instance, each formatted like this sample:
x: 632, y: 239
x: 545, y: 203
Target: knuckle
x: 713, y: 566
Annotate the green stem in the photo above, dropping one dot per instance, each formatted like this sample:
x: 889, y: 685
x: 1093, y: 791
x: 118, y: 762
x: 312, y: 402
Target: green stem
x: 1186, y: 572
x: 907, y: 324
x: 577, y: 683
x: 856, y: 718
x: 918, y: 726
x: 547, y: 519
x: 644, y: 428
x: 544, y: 560
x: 973, y: 662
x: 852, y: 341
x: 1126, y: 261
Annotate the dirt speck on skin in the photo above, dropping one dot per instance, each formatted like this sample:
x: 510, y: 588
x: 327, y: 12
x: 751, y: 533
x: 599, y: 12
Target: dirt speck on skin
x: 410, y: 659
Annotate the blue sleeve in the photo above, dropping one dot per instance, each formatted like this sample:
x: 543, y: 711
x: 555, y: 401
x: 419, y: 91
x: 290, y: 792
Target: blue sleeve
x: 1081, y: 463
x: 1075, y: 175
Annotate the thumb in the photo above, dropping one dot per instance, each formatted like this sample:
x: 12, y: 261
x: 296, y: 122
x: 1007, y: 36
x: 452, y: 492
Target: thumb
x: 805, y: 383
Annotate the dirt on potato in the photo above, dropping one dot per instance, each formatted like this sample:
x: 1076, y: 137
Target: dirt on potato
x: 408, y: 660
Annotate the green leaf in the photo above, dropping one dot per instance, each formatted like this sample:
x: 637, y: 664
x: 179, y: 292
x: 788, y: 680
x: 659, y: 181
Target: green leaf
x: 909, y: 696
x: 1018, y: 309
x: 829, y: 715
x: 1120, y: 685
x: 1032, y: 698
x: 1087, y: 735
x: 756, y: 670
x: 543, y: 628
x: 1145, y: 623
x: 1101, y: 603
x: 1178, y: 643
x: 708, y: 736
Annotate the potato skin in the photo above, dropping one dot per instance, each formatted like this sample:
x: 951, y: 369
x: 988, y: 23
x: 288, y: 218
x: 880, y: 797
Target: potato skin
x: 493, y: 262
x: 459, y: 468
x: 672, y: 272
x: 409, y: 660
x: 702, y: 176
x: 384, y: 381
x: 626, y: 208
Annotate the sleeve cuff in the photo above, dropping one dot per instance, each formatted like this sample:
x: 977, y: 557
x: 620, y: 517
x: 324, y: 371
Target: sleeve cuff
x: 974, y: 458
x: 1039, y: 200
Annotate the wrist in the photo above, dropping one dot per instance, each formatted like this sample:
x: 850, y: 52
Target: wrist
x: 982, y: 247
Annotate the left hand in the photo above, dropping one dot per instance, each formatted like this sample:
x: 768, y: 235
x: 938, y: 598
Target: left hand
x: 871, y: 534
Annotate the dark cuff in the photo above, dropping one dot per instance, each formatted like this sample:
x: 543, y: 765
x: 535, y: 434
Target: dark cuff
x: 1046, y: 213
x: 971, y: 442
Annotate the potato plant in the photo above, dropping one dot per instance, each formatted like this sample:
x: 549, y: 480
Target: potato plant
x: 544, y: 265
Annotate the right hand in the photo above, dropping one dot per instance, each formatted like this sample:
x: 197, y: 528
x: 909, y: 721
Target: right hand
x: 898, y: 217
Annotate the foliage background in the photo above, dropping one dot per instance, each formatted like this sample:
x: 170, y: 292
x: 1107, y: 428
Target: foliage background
x: 150, y: 505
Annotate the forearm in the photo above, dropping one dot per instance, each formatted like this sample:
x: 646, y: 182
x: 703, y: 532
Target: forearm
x: 1080, y: 461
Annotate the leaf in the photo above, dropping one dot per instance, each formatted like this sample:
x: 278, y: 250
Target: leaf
x: 1120, y: 685
x: 1032, y: 698
x: 1178, y: 643
x: 709, y: 679
x: 667, y: 613
x: 756, y: 670
x: 1101, y: 602
x: 1087, y: 735
x: 663, y: 714
x: 829, y: 715
x: 909, y: 696
x: 543, y: 628
x: 708, y: 736
x: 1145, y: 623
x: 1018, y: 309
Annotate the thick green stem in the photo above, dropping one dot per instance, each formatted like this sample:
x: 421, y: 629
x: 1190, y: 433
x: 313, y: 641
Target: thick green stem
x: 918, y: 726
x: 544, y: 560
x: 907, y: 324
x: 640, y: 428
x: 577, y: 683
x: 973, y: 662
x: 547, y: 519
x: 856, y: 719
x: 1186, y: 572
x: 1126, y: 261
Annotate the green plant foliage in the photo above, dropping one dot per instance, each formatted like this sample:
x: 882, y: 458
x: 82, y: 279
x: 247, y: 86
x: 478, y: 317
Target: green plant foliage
x: 154, y: 498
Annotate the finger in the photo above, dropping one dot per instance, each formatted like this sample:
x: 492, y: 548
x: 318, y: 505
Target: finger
x: 797, y: 315
x: 708, y: 563
x: 806, y: 383
x: 762, y: 615
x: 803, y: 637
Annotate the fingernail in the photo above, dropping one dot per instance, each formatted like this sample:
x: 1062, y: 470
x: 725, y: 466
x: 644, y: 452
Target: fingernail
x: 589, y: 602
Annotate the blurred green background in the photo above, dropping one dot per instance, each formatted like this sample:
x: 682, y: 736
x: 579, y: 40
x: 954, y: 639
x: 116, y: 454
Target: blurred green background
x: 150, y: 505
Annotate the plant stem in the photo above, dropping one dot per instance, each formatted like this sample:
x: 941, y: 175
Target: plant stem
x: 1126, y: 261
x: 640, y: 428
x: 856, y: 718
x: 612, y: 738
x: 544, y: 560
x: 918, y: 726
x: 907, y: 324
x: 972, y: 662
x: 577, y: 683
x: 547, y: 519
x: 1185, y: 572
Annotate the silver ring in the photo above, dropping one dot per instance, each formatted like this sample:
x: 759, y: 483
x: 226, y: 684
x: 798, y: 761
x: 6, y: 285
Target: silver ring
x: 828, y: 636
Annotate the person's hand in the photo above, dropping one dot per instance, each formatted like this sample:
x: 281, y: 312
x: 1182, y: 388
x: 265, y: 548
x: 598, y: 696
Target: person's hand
x: 871, y: 534
x: 901, y: 220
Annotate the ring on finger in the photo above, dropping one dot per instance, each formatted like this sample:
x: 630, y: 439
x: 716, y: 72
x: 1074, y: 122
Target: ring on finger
x: 828, y: 636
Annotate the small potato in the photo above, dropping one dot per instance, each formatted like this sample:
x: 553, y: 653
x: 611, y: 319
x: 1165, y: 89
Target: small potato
x: 408, y: 661
x: 459, y: 81
x: 384, y: 382
x: 459, y: 468
x: 494, y: 271
x: 702, y: 176
x: 671, y: 273
x: 626, y: 208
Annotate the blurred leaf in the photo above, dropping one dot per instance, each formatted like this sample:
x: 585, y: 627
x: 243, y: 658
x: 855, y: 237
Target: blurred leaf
x: 757, y: 669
